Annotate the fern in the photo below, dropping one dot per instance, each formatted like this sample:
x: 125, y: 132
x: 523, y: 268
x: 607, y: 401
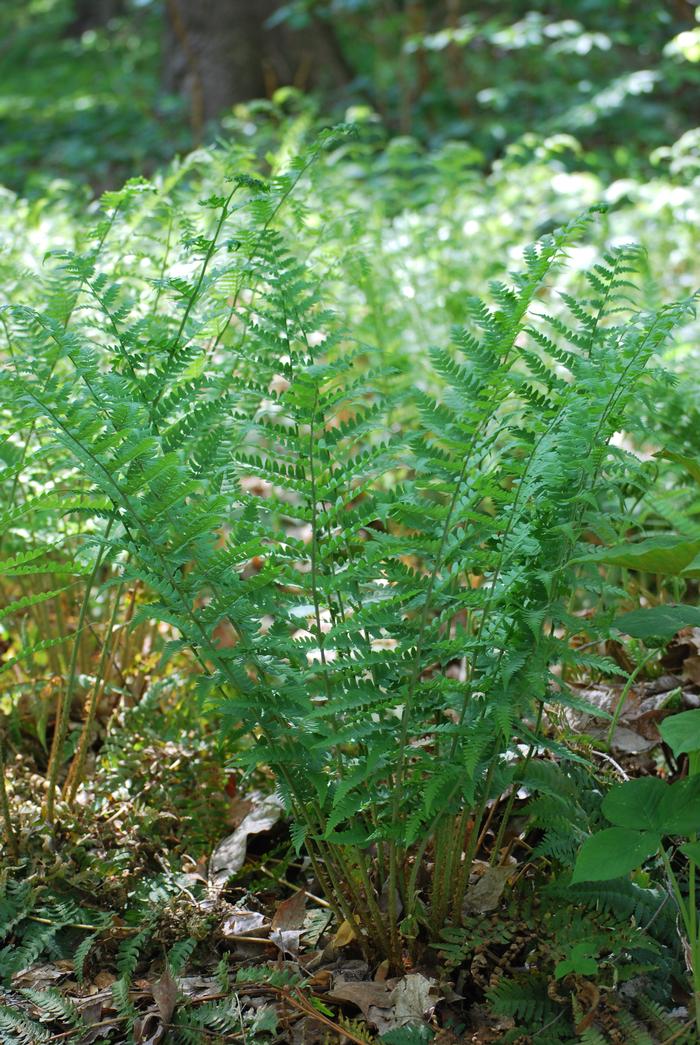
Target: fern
x: 179, y: 955
x: 18, y: 1029
x: 233, y: 450
x: 130, y: 951
x: 51, y: 1003
x: 524, y: 999
x: 220, y: 1017
x: 122, y: 1001
x: 592, y: 1036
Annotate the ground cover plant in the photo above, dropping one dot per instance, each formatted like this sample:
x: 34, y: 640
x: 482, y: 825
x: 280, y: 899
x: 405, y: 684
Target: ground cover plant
x: 349, y: 648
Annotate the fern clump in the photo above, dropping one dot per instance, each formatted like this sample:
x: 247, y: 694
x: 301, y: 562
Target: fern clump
x: 371, y: 576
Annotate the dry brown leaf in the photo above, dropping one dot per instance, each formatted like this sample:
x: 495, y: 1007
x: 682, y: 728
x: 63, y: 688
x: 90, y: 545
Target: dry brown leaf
x: 290, y: 913
x: 164, y: 993
x: 321, y: 979
x: 414, y: 998
x: 309, y: 1031
x: 630, y: 742
x: 198, y: 987
x: 39, y: 977
x: 365, y: 994
x: 390, y: 1005
x: 691, y: 669
x: 104, y: 979
x: 588, y: 997
x: 485, y: 893
x: 148, y: 1030
x: 344, y: 936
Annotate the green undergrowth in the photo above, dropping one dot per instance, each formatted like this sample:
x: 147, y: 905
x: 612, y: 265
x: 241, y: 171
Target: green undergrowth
x: 318, y: 478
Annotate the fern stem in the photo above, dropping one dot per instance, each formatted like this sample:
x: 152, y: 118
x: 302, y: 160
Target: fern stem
x: 441, y: 869
x: 376, y: 916
x: 520, y: 772
x: 325, y: 882
x: 63, y: 714
x: 624, y: 694
x: 392, y: 905
x: 339, y: 884
x: 370, y: 917
x: 464, y: 868
x: 10, y: 836
x: 75, y: 773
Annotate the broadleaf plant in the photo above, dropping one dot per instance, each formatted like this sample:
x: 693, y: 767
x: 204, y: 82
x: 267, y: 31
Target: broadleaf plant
x: 645, y: 812
x: 371, y: 574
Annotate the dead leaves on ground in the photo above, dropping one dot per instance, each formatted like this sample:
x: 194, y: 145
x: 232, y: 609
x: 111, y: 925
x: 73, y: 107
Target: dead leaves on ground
x: 647, y: 703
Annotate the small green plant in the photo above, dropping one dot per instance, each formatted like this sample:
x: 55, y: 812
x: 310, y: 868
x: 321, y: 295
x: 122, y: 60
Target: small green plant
x: 644, y: 813
x: 653, y: 627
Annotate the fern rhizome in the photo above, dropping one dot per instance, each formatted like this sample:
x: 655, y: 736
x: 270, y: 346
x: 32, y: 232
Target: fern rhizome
x: 372, y: 571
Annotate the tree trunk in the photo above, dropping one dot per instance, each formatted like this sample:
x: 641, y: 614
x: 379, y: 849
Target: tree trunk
x: 93, y: 14
x: 221, y: 52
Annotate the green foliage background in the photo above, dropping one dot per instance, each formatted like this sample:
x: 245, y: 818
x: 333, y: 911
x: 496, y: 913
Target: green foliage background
x: 87, y: 104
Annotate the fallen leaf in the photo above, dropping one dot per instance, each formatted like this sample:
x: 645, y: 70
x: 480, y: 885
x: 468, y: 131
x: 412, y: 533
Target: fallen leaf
x: 229, y: 856
x: 104, y: 979
x: 287, y: 940
x: 344, y: 936
x: 321, y: 979
x: 242, y: 923
x: 290, y: 913
x: 309, y: 1031
x: 91, y: 1012
x: 662, y: 684
x: 164, y: 993
x: 485, y: 893
x: 588, y: 997
x: 365, y: 994
x: 39, y: 977
x: 315, y: 923
x: 148, y: 1030
x: 198, y: 987
x: 691, y: 669
x: 630, y: 742
x: 388, y: 1006
x: 414, y: 998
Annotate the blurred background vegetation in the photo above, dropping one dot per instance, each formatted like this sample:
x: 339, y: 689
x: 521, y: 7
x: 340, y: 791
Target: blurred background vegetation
x: 480, y: 126
x: 95, y: 91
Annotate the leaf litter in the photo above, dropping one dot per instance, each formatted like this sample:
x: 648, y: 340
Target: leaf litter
x: 251, y: 924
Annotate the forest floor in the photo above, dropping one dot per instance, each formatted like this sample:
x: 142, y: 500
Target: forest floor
x: 166, y: 892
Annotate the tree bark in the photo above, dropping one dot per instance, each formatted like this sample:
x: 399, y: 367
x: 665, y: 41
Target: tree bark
x: 93, y: 14
x: 221, y: 52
